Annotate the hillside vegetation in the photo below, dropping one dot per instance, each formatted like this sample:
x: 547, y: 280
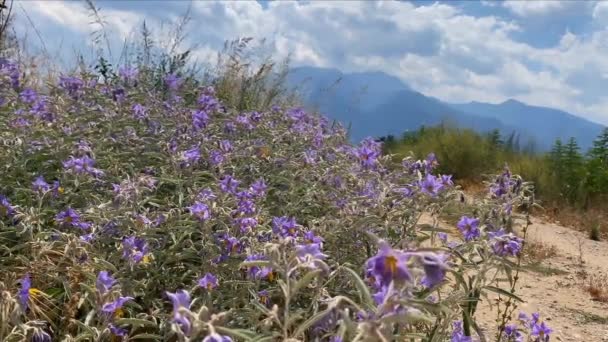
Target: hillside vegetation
x: 564, y: 177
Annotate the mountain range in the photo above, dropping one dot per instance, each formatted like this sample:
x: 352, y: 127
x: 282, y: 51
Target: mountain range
x: 377, y: 104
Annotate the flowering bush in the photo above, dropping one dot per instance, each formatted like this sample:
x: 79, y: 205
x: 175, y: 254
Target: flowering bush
x: 130, y: 212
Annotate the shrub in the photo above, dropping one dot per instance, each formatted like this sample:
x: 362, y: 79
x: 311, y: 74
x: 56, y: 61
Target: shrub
x: 133, y: 211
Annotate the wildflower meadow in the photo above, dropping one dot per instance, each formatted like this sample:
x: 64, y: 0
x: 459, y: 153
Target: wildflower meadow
x: 145, y: 206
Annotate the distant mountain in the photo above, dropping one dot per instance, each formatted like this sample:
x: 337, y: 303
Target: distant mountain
x: 545, y: 124
x: 377, y: 104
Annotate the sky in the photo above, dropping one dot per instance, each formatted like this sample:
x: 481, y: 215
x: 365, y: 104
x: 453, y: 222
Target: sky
x: 546, y: 53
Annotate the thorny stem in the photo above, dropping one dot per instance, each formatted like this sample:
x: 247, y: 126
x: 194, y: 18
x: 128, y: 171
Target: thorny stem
x: 506, y: 316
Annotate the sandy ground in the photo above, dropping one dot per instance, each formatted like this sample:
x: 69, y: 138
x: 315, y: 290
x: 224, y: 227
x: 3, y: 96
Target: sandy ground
x: 555, y: 288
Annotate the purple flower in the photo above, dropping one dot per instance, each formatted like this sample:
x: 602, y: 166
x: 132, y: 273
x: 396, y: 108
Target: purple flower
x: 258, y: 188
x: 118, y: 94
x: 310, y: 156
x: 217, y: 338
x: 28, y: 95
x: 244, y: 121
x: 200, y: 211
x: 206, y: 195
x: 285, y: 226
x: 6, y: 209
x: 117, y: 331
x: 139, y: 111
x: 447, y: 180
x: 127, y: 73
x: 226, y: 146
x: 39, y: 184
x: 458, y: 333
x: 232, y: 244
x: 264, y: 297
x: 542, y: 331
x: 367, y: 156
x: 310, y: 237
x: 257, y: 272
x: 83, y: 165
x: 104, y: 282
x: 24, y: 292
x: 430, y: 185
x: 111, y: 307
x: 513, y: 334
x: 172, y: 81
x: 208, y: 282
x: 434, y: 268
x: 40, y: 335
x: 216, y: 158
x: 134, y: 249
x: 504, y: 244
x: 200, y: 119
x: 87, y: 237
x: 181, y: 300
x: 469, y: 227
x: 207, y: 100
x: 245, y: 206
x: 247, y: 224
x: 311, y: 254
x: 229, y: 184
x: 388, y: 265
x: 70, y: 218
x: 229, y: 127
x: 191, y: 156
x: 72, y: 85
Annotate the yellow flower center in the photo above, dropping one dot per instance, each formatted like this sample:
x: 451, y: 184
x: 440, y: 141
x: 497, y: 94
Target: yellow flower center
x: 271, y: 276
x: 391, y: 263
x: 119, y: 313
x: 60, y: 190
x: 146, y: 259
x: 34, y: 292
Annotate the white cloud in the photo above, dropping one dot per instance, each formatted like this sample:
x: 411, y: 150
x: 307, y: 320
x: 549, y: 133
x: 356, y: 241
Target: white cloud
x: 436, y: 48
x: 75, y: 16
x: 600, y: 13
x: 525, y: 8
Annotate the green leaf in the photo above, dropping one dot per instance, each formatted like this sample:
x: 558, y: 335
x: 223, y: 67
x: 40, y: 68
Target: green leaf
x: 311, y: 321
x: 365, y: 295
x: 238, y: 333
x: 135, y: 322
x: 146, y: 337
x: 306, y: 279
x: 503, y: 292
x: 258, y: 263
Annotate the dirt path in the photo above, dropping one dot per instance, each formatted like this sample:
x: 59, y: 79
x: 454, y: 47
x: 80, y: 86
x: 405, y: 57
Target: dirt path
x: 554, y: 287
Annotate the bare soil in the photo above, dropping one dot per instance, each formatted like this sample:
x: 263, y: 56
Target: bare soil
x: 555, y: 286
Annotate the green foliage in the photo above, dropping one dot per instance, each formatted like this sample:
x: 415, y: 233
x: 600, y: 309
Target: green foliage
x: 562, y: 175
x: 594, y: 232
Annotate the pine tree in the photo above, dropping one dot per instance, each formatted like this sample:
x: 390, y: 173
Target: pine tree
x: 600, y: 148
x: 573, y: 169
x: 557, y: 157
x: 597, y: 166
x: 495, y: 139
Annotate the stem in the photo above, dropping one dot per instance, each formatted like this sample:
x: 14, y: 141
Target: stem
x: 506, y: 316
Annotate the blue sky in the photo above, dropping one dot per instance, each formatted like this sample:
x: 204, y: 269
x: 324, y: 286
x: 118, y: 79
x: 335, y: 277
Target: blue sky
x: 549, y: 53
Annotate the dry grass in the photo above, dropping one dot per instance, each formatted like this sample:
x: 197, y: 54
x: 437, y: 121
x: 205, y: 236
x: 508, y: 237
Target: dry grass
x: 578, y: 219
x: 597, y: 287
x: 537, y: 252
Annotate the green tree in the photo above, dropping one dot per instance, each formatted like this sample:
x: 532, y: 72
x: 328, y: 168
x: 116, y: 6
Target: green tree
x: 573, y: 171
x: 597, y: 166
